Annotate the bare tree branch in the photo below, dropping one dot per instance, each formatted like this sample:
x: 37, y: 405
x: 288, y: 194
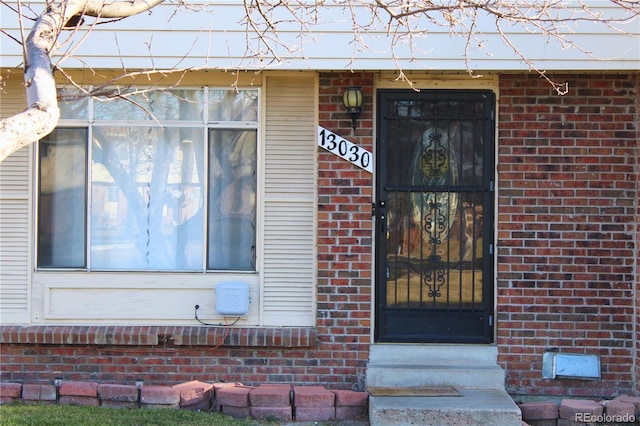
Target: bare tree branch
x: 404, y: 22
x: 42, y: 113
x: 407, y: 21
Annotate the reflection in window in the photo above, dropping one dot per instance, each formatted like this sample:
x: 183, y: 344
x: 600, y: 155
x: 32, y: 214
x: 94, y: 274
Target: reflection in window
x: 141, y: 217
x: 228, y: 105
x: 147, y: 186
x: 61, y: 201
x: 232, y: 192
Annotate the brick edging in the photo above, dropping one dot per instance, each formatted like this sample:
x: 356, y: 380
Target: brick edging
x: 620, y: 410
x: 282, y: 402
x: 290, y: 337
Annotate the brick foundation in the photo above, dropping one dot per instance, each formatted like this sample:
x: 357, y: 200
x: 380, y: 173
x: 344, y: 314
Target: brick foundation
x: 159, y: 355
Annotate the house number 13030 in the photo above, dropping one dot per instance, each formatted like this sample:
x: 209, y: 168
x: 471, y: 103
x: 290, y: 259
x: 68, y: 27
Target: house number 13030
x: 345, y: 149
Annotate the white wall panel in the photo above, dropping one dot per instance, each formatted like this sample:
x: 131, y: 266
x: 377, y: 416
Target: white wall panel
x: 141, y: 298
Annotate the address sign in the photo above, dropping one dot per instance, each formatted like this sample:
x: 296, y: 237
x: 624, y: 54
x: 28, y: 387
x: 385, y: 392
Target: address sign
x: 345, y: 149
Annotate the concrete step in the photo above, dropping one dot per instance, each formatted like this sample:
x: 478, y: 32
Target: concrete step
x: 434, y: 354
x: 469, y: 366
x: 475, y: 407
x: 486, y: 376
x: 472, y: 370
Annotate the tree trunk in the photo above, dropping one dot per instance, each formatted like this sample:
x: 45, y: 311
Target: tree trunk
x: 42, y: 113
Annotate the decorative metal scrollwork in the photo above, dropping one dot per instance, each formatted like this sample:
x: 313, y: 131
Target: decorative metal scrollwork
x: 434, y: 159
x: 435, y: 276
x: 434, y: 223
x: 435, y: 167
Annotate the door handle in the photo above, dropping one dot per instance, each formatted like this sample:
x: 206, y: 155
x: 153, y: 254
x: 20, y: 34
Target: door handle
x: 382, y: 215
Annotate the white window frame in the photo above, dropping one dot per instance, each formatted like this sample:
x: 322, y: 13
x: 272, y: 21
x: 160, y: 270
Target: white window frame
x: 204, y: 123
x: 113, y: 297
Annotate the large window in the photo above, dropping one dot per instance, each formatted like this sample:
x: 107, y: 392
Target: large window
x: 156, y: 181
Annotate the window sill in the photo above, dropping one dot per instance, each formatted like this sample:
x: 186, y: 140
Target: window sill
x: 279, y: 337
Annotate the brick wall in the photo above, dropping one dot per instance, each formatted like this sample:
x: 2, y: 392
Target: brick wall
x: 637, y: 238
x: 567, y: 199
x: 334, y: 354
x: 345, y: 228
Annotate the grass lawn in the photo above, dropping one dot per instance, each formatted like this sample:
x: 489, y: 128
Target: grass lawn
x: 45, y: 415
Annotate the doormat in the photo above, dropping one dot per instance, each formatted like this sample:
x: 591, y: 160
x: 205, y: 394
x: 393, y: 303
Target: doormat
x: 413, y: 391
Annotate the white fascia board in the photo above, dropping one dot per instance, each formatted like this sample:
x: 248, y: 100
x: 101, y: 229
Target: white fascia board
x: 215, y: 37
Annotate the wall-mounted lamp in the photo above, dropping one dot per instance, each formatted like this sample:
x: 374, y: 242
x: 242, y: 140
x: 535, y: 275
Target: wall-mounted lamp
x: 352, y: 100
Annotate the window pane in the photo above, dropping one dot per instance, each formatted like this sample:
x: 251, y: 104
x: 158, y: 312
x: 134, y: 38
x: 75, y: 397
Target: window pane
x: 61, y: 201
x: 153, y: 105
x: 147, y: 198
x: 73, y: 104
x: 231, y: 105
x: 232, y: 199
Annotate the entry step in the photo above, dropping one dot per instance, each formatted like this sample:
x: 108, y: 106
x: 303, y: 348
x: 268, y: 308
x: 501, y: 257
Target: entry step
x: 473, y: 407
x: 434, y: 354
x: 435, y: 375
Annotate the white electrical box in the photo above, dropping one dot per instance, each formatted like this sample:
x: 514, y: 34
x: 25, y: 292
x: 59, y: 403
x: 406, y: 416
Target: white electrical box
x: 232, y: 299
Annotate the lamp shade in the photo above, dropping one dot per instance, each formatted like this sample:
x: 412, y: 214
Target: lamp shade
x: 352, y: 99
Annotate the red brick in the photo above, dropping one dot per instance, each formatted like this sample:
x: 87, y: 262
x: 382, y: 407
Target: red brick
x: 85, y: 401
x: 351, y: 413
x: 635, y: 400
x: 235, y: 396
x: 89, y: 389
x: 219, y: 385
x: 216, y: 390
x: 47, y: 393
x: 570, y: 407
x: 195, y: 393
x: 620, y: 408
x: 347, y: 398
x: 204, y: 405
x: 237, y: 412
x: 36, y: 392
x: 271, y: 395
x: 539, y: 410
x: 282, y: 414
x: 10, y: 390
x: 121, y: 393
x: 311, y: 414
x: 159, y: 395
x: 313, y: 396
x: 31, y: 392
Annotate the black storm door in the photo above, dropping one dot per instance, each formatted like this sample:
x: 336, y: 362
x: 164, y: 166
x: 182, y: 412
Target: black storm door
x: 434, y: 216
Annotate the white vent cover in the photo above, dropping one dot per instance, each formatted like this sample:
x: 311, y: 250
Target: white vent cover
x: 570, y: 366
x: 232, y: 298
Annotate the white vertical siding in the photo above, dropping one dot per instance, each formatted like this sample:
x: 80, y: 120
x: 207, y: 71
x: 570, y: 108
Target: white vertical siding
x: 289, y: 201
x: 14, y: 215
x: 14, y: 238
